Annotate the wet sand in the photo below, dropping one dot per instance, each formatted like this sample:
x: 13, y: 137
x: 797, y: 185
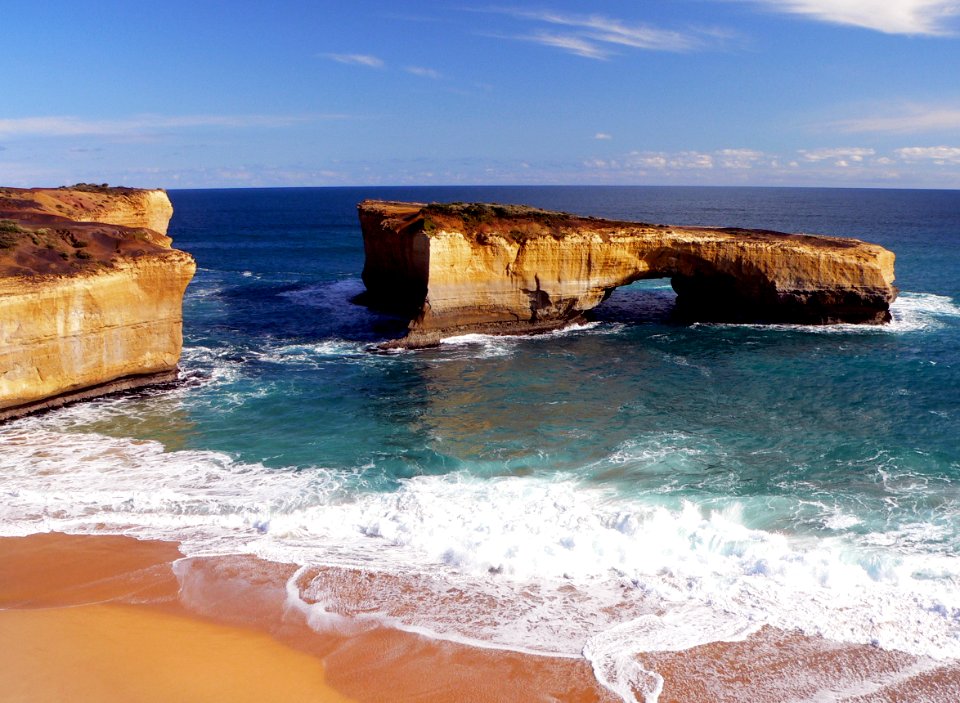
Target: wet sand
x: 105, y: 619
x: 115, y: 619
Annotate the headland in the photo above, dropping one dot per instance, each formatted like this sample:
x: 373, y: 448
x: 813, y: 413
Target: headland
x: 90, y: 294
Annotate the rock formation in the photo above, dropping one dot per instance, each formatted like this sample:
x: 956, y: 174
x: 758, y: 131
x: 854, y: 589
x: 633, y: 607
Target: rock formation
x: 502, y: 269
x: 90, y: 294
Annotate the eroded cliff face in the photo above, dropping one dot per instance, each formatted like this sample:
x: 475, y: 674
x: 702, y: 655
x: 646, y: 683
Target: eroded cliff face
x: 90, y: 294
x: 508, y: 269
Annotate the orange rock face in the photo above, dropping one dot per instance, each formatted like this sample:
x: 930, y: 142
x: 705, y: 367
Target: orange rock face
x: 90, y: 294
x: 509, y: 269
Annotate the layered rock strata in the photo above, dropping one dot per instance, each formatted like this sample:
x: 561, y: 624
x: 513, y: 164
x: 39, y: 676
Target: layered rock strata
x: 90, y: 294
x: 462, y: 268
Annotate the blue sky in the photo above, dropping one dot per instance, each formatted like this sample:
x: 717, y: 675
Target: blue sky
x: 718, y: 92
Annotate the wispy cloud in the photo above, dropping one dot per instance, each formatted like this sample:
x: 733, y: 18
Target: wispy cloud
x: 598, y: 36
x: 423, y: 72
x: 570, y: 43
x: 602, y: 136
x: 357, y: 60
x: 65, y: 126
x: 940, y: 155
x: 916, y: 17
x: 845, y: 154
x: 911, y: 119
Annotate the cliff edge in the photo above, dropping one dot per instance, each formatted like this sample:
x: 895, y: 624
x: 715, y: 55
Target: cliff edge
x: 90, y: 294
x: 505, y: 269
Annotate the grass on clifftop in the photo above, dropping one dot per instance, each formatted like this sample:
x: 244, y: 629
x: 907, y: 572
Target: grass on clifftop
x: 96, y: 188
x: 483, y: 218
x: 480, y: 213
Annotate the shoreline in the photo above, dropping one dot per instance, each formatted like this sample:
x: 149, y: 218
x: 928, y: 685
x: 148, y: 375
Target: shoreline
x: 96, y: 614
x: 112, y: 618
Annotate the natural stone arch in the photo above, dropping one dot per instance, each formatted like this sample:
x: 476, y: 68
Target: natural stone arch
x: 507, y: 269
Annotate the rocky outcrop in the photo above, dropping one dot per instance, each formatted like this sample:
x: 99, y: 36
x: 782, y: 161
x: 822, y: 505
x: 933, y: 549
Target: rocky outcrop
x: 90, y: 294
x: 500, y: 269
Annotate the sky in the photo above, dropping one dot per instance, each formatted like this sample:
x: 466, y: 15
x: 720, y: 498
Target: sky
x: 838, y: 93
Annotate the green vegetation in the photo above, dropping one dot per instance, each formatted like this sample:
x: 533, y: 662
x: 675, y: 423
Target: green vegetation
x: 475, y: 214
x: 10, y: 233
x: 88, y: 187
x: 11, y: 227
x: 96, y: 188
x: 479, y: 216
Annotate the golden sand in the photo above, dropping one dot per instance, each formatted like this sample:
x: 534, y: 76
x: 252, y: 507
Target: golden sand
x: 105, y: 653
x: 105, y: 619
x: 87, y: 619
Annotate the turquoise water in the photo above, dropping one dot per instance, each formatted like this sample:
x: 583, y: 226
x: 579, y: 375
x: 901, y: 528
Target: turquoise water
x: 729, y: 475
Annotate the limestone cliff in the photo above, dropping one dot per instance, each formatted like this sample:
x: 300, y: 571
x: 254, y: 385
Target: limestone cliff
x: 509, y: 269
x: 90, y: 294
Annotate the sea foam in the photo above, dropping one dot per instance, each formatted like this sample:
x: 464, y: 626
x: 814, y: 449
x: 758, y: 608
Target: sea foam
x: 546, y: 565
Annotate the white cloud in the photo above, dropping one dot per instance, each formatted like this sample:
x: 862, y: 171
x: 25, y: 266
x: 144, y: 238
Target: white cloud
x: 615, y: 31
x: 569, y: 43
x: 681, y: 160
x: 739, y: 158
x: 847, y: 154
x: 905, y: 167
x: 918, y: 17
x: 911, y: 119
x: 65, y: 126
x: 602, y: 136
x: 648, y: 160
x: 940, y: 155
x: 597, y: 36
x: 357, y: 59
x: 691, y: 160
x: 423, y: 72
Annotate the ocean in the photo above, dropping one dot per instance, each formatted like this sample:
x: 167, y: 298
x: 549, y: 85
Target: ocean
x: 633, y: 484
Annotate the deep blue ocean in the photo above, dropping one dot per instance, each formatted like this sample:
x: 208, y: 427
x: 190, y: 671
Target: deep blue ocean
x: 655, y: 484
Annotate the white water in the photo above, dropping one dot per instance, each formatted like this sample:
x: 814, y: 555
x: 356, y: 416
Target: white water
x: 559, y: 566
x: 543, y: 566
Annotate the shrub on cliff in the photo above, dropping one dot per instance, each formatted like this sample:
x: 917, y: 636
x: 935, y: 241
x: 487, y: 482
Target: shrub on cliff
x: 10, y: 233
x: 10, y: 226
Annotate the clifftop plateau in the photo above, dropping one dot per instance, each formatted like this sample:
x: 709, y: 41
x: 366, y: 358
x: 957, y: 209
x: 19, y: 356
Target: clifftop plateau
x: 507, y: 269
x: 64, y: 231
x: 90, y: 294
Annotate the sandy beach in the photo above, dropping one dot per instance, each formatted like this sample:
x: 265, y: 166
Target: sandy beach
x: 103, y: 618
x: 97, y: 619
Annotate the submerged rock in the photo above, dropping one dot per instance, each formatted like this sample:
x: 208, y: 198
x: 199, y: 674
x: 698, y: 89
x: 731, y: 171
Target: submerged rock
x: 90, y: 294
x: 503, y: 269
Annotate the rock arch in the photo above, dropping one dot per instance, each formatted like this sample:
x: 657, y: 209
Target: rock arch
x: 501, y: 269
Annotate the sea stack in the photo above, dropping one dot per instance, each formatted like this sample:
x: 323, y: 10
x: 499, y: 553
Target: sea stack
x: 504, y: 269
x: 91, y: 294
